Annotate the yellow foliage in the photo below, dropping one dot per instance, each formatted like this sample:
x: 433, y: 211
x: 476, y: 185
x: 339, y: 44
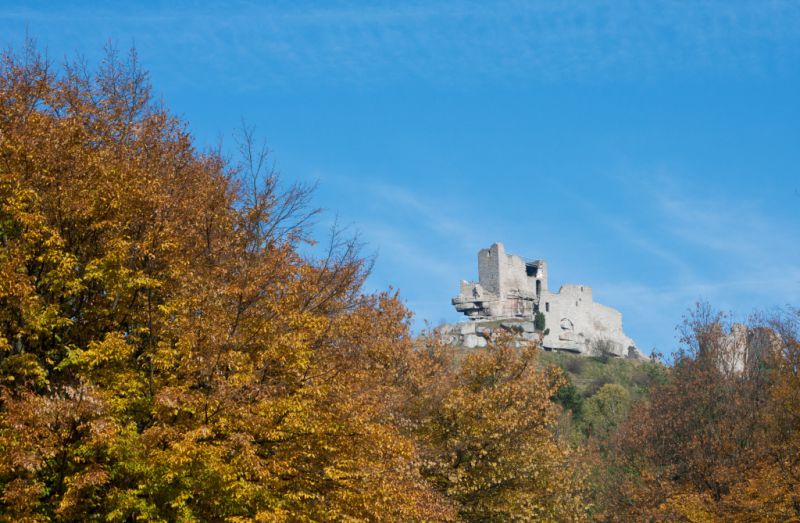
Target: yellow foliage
x: 488, y: 430
x: 167, y: 354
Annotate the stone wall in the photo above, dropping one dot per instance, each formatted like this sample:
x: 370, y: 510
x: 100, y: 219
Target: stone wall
x: 506, y: 286
x: 490, y: 268
x: 742, y: 347
x: 514, y: 276
x: 574, y: 322
x: 541, y: 274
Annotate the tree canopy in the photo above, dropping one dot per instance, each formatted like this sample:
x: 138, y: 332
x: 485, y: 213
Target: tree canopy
x: 167, y: 352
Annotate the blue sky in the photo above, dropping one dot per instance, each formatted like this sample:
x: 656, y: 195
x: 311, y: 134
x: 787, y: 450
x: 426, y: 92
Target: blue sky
x: 649, y: 149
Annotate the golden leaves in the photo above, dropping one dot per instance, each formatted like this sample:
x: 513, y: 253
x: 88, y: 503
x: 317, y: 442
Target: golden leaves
x: 168, y: 354
x: 488, y: 427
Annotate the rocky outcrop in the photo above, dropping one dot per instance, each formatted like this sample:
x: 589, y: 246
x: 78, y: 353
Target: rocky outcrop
x: 474, y: 334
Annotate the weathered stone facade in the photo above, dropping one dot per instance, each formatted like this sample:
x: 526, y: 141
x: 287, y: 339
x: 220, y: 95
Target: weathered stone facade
x: 742, y: 347
x: 507, y: 286
x: 511, y: 292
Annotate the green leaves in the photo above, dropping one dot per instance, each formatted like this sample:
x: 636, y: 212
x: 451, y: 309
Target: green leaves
x: 605, y: 410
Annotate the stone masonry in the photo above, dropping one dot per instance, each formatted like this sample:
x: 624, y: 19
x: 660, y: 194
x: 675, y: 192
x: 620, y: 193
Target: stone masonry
x: 512, y: 291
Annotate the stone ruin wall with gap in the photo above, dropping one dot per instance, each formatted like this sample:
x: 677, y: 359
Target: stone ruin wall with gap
x: 509, y: 294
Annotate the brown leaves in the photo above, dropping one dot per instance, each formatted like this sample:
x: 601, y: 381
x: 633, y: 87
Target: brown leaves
x: 167, y: 353
x: 714, y: 444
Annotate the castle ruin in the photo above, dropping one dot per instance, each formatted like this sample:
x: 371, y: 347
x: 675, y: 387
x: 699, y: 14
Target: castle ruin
x: 512, y: 292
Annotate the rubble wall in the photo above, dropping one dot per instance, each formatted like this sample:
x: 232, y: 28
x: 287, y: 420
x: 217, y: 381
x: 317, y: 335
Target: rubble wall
x: 574, y: 321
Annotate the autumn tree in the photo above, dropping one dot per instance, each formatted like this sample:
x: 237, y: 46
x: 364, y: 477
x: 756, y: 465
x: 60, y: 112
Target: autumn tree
x: 486, y: 425
x: 605, y: 410
x: 166, y: 352
x: 713, y: 443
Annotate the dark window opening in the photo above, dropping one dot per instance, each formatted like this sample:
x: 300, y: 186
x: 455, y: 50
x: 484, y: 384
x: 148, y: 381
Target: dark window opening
x: 547, y: 307
x: 538, y: 287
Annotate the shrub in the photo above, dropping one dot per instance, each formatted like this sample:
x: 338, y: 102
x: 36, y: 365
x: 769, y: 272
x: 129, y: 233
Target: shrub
x: 575, y: 365
x: 569, y: 398
x: 596, y: 385
x: 539, y: 322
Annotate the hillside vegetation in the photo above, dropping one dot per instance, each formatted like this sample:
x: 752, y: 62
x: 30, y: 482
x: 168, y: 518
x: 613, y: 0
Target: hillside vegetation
x: 599, y: 391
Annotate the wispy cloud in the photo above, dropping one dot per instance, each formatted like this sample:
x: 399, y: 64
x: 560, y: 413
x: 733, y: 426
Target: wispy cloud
x: 738, y: 229
x: 424, y: 243
x: 732, y: 252
x: 256, y: 44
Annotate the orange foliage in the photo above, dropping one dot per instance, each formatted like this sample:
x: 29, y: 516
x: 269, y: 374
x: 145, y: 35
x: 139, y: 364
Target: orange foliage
x: 713, y: 444
x: 166, y: 352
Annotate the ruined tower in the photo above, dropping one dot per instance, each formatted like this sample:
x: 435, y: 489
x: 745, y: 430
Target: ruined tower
x: 508, y: 286
x: 513, y: 288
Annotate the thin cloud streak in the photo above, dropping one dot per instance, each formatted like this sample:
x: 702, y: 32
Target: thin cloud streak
x: 756, y: 261
x: 451, y: 42
x: 756, y: 257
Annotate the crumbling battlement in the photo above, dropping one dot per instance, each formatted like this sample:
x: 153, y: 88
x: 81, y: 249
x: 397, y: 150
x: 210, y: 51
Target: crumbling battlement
x: 515, y: 289
x: 508, y: 286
